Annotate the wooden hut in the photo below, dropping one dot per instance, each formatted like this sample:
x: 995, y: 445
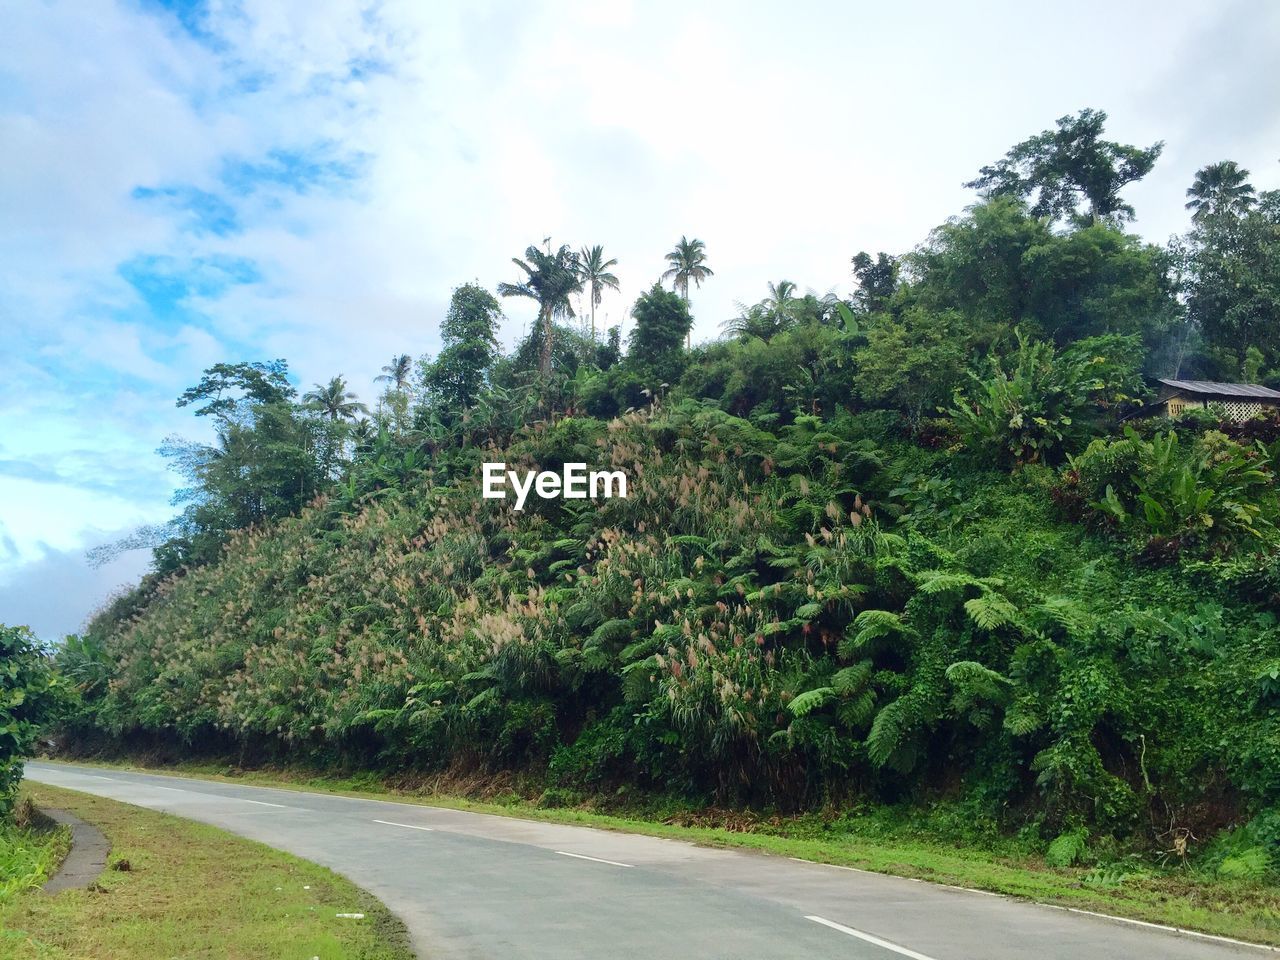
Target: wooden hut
x: 1236, y: 402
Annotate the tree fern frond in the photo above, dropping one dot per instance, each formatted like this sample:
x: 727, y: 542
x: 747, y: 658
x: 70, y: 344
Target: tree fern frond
x: 990, y: 611
x: 811, y: 700
x: 942, y: 581
x: 851, y: 679
x: 868, y: 626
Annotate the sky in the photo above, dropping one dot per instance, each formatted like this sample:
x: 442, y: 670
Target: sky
x: 189, y: 182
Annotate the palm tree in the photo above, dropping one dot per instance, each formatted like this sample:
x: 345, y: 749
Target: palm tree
x: 363, y: 434
x: 396, y: 372
x: 781, y: 302
x: 335, y: 400
x: 772, y: 315
x: 688, y: 262
x: 593, y: 268
x: 1220, y: 188
x: 550, y: 279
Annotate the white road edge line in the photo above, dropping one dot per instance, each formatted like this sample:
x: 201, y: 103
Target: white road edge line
x: 837, y: 866
x: 869, y: 938
x: 952, y: 886
x: 873, y: 873
x: 1166, y: 928
x: 583, y: 856
x: 407, y: 826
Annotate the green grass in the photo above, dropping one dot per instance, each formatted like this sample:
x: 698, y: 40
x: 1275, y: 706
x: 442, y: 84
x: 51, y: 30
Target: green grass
x: 30, y: 850
x: 196, y: 893
x: 877, y: 840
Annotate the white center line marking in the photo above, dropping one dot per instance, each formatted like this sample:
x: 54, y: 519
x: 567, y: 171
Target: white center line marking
x: 407, y: 826
x: 583, y: 856
x: 261, y: 803
x: 870, y: 939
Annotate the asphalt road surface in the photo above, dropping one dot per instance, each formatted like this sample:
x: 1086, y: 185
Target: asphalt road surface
x: 471, y: 885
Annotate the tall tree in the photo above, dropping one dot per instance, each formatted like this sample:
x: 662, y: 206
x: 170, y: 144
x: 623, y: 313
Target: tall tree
x: 688, y: 262
x: 469, y: 336
x: 877, y: 280
x: 268, y: 460
x: 593, y: 268
x: 1233, y: 289
x: 1063, y: 167
x: 335, y: 400
x: 396, y: 373
x: 1003, y: 268
x: 550, y: 279
x: 229, y: 389
x: 662, y: 323
x: 1220, y: 188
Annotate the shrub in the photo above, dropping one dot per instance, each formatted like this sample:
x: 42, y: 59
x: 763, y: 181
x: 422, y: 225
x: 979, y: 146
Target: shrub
x: 29, y: 694
x: 1210, y: 493
x: 1035, y: 404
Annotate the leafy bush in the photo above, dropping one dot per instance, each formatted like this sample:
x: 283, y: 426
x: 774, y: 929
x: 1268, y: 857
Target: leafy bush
x: 1033, y: 406
x: 1210, y: 493
x: 1252, y: 863
x: 1067, y: 849
x: 29, y: 695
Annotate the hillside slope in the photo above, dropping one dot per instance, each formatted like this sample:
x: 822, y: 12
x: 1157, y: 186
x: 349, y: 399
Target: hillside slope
x: 786, y: 618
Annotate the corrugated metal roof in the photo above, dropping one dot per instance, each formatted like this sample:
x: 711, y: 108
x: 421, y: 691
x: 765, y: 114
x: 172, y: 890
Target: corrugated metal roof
x: 1223, y: 389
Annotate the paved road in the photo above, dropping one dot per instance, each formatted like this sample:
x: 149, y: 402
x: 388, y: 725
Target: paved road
x: 472, y: 886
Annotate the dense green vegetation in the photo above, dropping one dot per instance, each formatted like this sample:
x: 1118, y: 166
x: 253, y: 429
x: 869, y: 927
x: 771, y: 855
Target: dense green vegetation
x: 894, y: 549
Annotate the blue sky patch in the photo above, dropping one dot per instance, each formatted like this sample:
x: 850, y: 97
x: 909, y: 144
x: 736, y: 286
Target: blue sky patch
x: 205, y: 213
x: 301, y: 171
x: 191, y: 15
x: 166, y: 284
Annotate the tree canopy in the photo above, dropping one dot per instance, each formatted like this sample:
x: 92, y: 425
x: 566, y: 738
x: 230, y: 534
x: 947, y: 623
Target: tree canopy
x: 1058, y: 170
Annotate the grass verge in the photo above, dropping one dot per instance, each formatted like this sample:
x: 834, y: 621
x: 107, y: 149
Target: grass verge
x: 192, y: 891
x: 1177, y: 897
x: 31, y: 848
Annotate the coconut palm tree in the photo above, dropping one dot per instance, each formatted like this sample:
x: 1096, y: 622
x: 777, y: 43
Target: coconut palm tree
x: 550, y: 279
x: 1220, y: 188
x: 396, y: 372
x: 593, y: 269
x: 688, y: 262
x: 335, y: 400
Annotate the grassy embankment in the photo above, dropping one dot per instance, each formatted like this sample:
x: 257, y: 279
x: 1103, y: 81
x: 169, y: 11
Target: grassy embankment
x: 193, y: 891
x: 879, y: 840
